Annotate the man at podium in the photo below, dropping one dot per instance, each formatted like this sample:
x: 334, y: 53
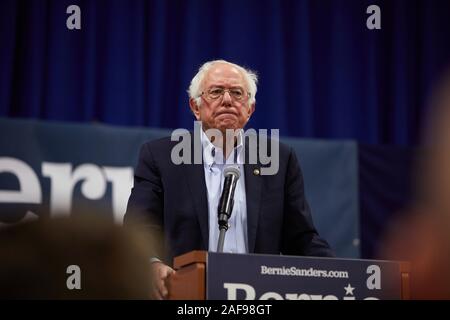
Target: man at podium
x: 269, y: 211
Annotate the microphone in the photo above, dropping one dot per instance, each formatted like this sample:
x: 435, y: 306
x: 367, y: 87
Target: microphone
x: 226, y: 202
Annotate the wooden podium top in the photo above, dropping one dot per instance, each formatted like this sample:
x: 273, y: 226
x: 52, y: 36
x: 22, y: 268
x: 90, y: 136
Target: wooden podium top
x: 189, y: 258
x: 189, y: 281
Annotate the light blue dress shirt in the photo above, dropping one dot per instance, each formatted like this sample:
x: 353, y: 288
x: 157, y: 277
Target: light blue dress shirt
x: 236, y: 240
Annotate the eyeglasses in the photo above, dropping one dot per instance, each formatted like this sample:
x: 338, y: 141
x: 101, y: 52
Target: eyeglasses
x: 217, y: 92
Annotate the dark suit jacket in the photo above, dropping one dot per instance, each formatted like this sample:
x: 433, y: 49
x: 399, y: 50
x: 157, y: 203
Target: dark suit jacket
x: 173, y: 199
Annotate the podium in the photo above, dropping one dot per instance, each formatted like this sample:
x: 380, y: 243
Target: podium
x: 222, y: 276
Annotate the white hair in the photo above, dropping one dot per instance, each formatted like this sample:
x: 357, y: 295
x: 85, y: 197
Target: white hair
x: 250, y: 77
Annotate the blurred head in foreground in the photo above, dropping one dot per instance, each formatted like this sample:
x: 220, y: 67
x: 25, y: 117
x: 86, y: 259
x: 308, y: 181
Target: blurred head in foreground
x: 424, y: 236
x: 44, y: 259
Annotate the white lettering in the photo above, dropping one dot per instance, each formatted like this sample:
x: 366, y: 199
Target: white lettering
x: 74, y: 20
x: 74, y: 280
x: 373, y: 21
x: 29, y: 190
x: 63, y: 180
x: 232, y: 289
x: 122, y: 182
x: 374, y: 280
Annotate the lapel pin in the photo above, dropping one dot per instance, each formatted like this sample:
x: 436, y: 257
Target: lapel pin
x: 256, y: 172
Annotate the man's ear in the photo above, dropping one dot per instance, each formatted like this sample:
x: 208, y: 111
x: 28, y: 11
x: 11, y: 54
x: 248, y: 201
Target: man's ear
x: 194, y: 108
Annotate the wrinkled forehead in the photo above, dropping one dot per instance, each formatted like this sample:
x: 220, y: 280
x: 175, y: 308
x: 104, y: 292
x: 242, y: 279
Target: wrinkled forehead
x: 223, y: 74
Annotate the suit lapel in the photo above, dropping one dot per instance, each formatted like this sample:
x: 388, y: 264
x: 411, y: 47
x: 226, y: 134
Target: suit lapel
x: 195, y: 175
x: 253, y: 185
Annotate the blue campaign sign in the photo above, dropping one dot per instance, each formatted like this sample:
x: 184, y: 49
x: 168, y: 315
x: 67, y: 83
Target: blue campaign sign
x: 51, y: 167
x: 262, y: 277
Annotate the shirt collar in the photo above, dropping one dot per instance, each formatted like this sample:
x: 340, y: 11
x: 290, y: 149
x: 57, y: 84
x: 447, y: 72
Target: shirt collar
x: 213, y: 154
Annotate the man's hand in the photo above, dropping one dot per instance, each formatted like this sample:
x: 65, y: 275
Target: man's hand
x: 160, y: 273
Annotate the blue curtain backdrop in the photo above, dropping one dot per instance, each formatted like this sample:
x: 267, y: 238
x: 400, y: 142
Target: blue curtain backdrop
x: 322, y: 72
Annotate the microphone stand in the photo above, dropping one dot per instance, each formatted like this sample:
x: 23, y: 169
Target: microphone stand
x: 223, y: 228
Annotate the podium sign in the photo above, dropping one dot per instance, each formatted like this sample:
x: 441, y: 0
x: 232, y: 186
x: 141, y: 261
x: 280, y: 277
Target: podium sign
x: 252, y: 276
x: 224, y: 276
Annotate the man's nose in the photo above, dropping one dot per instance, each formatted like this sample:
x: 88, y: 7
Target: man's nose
x: 226, y: 98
